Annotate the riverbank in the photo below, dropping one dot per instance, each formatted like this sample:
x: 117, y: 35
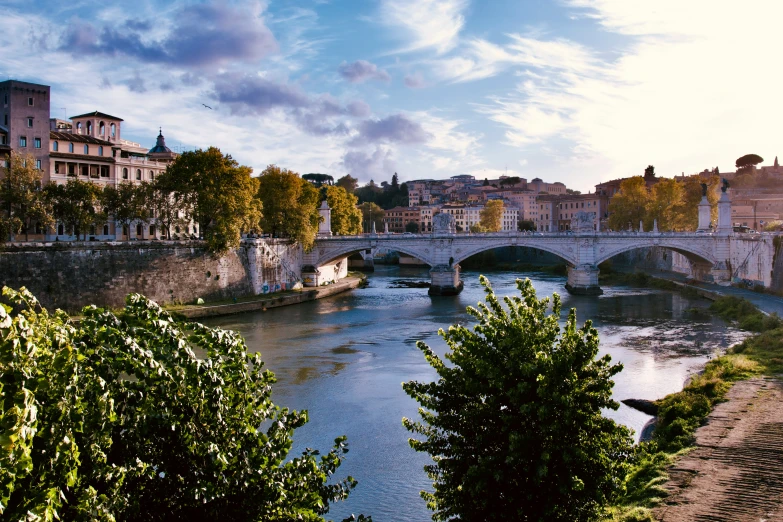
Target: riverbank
x: 708, y: 459
x: 269, y: 301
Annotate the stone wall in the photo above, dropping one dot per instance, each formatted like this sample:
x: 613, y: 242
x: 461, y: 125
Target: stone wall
x: 69, y: 275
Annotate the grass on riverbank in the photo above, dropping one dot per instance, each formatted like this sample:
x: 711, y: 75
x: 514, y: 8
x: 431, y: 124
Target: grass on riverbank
x: 681, y: 413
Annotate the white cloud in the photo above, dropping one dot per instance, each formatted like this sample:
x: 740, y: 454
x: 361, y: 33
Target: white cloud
x: 696, y: 87
x: 434, y: 24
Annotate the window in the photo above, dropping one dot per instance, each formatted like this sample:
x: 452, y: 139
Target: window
x: 105, y: 230
x: 72, y: 169
x: 113, y: 130
x: 152, y: 175
x: 60, y: 230
x: 138, y: 174
x: 139, y: 230
x: 38, y: 164
x: 89, y: 128
x: 59, y: 167
x: 70, y: 147
x: 2, y: 141
x: 104, y: 171
x: 55, y: 146
x: 23, y: 141
x: 85, y: 170
x: 86, y: 149
x: 37, y: 143
x: 30, y: 102
x: 79, y: 127
x: 29, y: 122
x: 101, y: 128
x: 100, y: 150
x: 124, y: 173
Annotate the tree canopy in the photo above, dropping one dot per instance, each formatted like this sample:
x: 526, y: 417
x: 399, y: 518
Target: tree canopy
x: 629, y: 206
x: 218, y: 192
x: 513, y: 423
x: 23, y: 198
x: 136, y: 417
x: 127, y: 203
x: 746, y: 162
x: 371, y: 213
x: 319, y: 179
x: 491, y: 216
x: 290, y: 205
x: 346, y: 218
x: 348, y: 182
x: 77, y: 205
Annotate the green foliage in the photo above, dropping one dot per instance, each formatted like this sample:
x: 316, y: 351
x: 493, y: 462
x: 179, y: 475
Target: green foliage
x: 319, y: 179
x: 22, y: 197
x: 371, y: 213
x: 514, y: 423
x: 127, y: 203
x: 348, y: 182
x: 412, y: 227
x: 742, y: 312
x: 388, y: 196
x: 118, y: 418
x: 219, y: 193
x: 290, y: 206
x: 346, y: 217
x: 77, y: 205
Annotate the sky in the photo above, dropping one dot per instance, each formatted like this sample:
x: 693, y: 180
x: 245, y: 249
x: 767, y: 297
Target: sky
x: 577, y: 91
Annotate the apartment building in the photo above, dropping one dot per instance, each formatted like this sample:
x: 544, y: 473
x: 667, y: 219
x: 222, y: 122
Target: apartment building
x: 555, y: 212
x: 24, y: 116
x: 465, y: 216
x: 397, y: 218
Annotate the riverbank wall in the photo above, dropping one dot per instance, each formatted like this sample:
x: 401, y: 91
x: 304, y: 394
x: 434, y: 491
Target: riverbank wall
x: 70, y: 275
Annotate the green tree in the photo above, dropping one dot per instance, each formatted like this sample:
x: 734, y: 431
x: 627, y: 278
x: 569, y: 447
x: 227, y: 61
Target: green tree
x: 127, y: 203
x: 219, y: 193
x: 746, y: 163
x: 526, y: 225
x: 513, y: 423
x: 491, y: 216
x: 348, y: 182
x: 118, y: 418
x: 290, y: 205
x: 510, y: 181
x: 319, y: 179
x: 167, y: 207
x: 371, y: 213
x: 629, y: 205
x: 23, y: 198
x: 77, y: 205
x: 346, y: 217
x: 412, y: 227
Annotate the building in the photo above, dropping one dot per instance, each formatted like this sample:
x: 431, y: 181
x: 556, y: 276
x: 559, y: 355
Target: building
x: 24, y: 116
x: 555, y: 212
x: 466, y: 216
x: 397, y: 218
x: 88, y: 147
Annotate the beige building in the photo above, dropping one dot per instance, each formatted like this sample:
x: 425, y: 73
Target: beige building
x: 555, y: 212
x: 397, y: 218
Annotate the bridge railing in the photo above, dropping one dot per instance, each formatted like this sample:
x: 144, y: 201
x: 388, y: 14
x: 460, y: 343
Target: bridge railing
x: 526, y: 234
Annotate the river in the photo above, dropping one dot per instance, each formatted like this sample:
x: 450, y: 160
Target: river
x: 344, y: 358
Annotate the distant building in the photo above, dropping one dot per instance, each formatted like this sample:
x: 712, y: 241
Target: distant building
x: 24, y: 116
x: 555, y: 212
x: 398, y: 218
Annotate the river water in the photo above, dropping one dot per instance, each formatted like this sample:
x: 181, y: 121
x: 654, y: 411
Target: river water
x: 344, y: 358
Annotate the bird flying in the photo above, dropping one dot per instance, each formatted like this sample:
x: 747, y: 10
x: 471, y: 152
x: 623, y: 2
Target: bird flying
x: 207, y: 106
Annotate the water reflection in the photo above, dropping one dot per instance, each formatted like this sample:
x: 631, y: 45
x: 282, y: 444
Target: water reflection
x: 343, y: 359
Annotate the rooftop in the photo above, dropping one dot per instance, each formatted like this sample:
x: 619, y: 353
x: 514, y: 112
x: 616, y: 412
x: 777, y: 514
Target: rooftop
x: 97, y: 114
x: 81, y: 138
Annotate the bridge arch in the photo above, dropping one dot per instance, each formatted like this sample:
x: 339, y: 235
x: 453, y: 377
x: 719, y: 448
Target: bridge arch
x: 555, y: 249
x: 693, y: 254
x: 330, y: 254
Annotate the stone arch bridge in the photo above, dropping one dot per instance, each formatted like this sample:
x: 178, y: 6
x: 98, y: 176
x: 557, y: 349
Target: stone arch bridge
x: 709, y: 254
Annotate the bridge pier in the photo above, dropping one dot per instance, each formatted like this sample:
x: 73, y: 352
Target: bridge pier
x: 583, y: 280
x: 718, y: 273
x: 445, y: 280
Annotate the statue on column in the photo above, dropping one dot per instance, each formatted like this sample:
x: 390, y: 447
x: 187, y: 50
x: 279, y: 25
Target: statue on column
x: 704, y: 189
x: 725, y: 185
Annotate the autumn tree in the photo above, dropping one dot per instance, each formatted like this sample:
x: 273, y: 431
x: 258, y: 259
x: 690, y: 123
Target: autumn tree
x: 136, y: 417
x: 290, y: 206
x: 629, y: 204
x: 219, y: 193
x: 491, y: 216
x: 348, y: 182
x: 371, y: 213
x: 513, y: 421
x: 664, y: 205
x: 22, y: 197
x: 688, y: 209
x: 76, y: 204
x: 346, y: 217
x: 127, y: 203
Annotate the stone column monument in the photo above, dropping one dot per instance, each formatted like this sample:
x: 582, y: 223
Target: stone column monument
x: 724, y: 210
x: 705, y: 215
x: 325, y: 226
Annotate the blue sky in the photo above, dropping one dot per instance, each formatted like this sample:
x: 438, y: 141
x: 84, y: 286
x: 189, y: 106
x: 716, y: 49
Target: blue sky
x: 578, y: 91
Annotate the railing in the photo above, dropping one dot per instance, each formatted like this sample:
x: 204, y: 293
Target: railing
x: 559, y: 234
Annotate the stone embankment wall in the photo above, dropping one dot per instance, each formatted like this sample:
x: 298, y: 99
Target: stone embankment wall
x: 70, y: 275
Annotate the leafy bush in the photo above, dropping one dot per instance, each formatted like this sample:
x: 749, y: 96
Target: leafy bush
x: 514, y: 424
x: 116, y: 418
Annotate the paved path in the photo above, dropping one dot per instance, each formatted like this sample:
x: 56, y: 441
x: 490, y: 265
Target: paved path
x: 765, y: 302
x: 735, y: 472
